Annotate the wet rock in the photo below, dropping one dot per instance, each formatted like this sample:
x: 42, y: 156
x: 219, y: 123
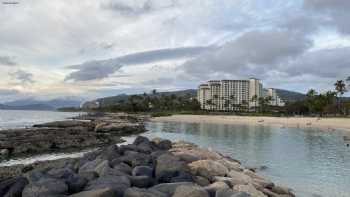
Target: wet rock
x: 282, y: 190
x: 105, y: 192
x: 45, y: 187
x: 90, y: 166
x: 142, y: 171
x: 163, y: 144
x: 137, y: 192
x: 208, y: 168
x: 190, y: 191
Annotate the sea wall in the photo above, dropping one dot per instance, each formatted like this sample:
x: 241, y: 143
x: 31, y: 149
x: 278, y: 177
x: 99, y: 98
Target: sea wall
x: 145, y: 168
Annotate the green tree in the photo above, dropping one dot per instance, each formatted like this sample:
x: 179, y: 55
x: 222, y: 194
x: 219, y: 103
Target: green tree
x: 340, y: 88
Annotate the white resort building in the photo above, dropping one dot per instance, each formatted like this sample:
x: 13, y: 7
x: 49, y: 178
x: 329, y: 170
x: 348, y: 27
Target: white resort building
x: 229, y: 95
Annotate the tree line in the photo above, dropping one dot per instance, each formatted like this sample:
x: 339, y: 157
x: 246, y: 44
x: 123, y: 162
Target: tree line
x: 323, y: 104
x: 155, y: 102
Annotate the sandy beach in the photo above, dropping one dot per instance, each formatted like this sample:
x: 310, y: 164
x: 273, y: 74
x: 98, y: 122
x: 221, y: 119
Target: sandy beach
x: 327, y: 124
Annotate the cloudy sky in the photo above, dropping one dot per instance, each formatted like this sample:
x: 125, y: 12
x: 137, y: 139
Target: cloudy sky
x: 90, y: 48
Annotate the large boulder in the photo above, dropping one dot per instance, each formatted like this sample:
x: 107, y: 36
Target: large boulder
x: 134, y: 159
x: 45, y: 187
x: 105, y: 192
x: 123, y: 167
x: 190, y: 191
x: 214, y: 187
x: 90, y: 166
x: 208, y: 168
x: 118, y: 184
x: 142, y: 171
x: 250, y: 189
x: 13, y: 187
x: 103, y: 169
x: 169, y: 188
x: 141, y: 181
x: 137, y: 192
x: 239, y: 178
x: 169, y: 166
x: 109, y: 153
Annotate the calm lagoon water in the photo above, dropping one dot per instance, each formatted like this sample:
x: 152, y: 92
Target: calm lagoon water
x: 312, y: 162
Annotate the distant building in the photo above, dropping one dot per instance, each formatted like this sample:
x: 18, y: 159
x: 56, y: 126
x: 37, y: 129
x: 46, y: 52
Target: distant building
x: 229, y: 95
x: 90, y: 105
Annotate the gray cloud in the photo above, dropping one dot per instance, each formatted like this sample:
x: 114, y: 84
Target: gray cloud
x: 6, y: 92
x: 100, y: 69
x: 7, y: 61
x: 93, y: 70
x: 253, y: 53
x: 140, y: 7
x: 332, y: 12
x: 325, y: 63
x: 22, y: 76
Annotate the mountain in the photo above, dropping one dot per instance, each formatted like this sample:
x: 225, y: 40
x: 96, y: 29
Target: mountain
x: 28, y: 107
x: 290, y: 96
x: 33, y: 104
x: 286, y: 95
x: 107, y: 101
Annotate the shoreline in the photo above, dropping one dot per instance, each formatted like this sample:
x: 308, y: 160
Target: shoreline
x: 324, y: 124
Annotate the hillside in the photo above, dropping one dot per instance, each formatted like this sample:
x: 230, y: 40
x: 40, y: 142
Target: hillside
x: 28, y: 107
x: 33, y: 104
x: 107, y: 101
x: 286, y: 95
x: 290, y: 96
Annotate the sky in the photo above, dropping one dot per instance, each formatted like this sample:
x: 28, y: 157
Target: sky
x: 93, y: 48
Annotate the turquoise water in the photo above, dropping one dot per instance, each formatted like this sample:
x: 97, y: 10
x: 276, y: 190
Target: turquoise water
x: 312, y: 162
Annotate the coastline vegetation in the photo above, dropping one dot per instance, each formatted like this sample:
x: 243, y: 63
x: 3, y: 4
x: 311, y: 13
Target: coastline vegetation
x: 330, y: 104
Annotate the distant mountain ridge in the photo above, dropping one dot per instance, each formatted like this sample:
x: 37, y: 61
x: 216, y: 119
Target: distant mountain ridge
x: 33, y: 104
x: 286, y: 95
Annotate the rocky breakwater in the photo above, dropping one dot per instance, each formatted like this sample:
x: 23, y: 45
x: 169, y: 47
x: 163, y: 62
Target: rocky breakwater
x: 85, y: 132
x: 157, y: 168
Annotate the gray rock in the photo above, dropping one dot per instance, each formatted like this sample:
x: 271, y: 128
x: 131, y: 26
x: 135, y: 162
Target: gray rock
x: 224, y: 192
x: 141, y: 139
x: 208, y: 168
x: 169, y: 188
x: 45, y: 187
x: 118, y: 184
x: 61, y: 173
x: 76, y: 183
x: 109, y: 153
x: 190, y: 191
x: 169, y: 166
x: 123, y: 168
x: 137, y: 192
x: 182, y: 177
x: 142, y: 181
x: 89, y: 166
x: 201, y: 181
x: 103, y: 169
x: 13, y: 187
x: 142, y: 171
x: 105, y: 192
x: 89, y: 176
x: 134, y: 159
x: 164, y: 144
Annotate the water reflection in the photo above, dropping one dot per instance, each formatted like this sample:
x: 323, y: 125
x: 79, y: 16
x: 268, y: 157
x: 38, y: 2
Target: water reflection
x: 310, y: 161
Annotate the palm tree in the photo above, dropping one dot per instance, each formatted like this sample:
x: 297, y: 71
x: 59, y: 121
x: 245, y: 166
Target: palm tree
x: 154, y: 91
x: 340, y: 88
